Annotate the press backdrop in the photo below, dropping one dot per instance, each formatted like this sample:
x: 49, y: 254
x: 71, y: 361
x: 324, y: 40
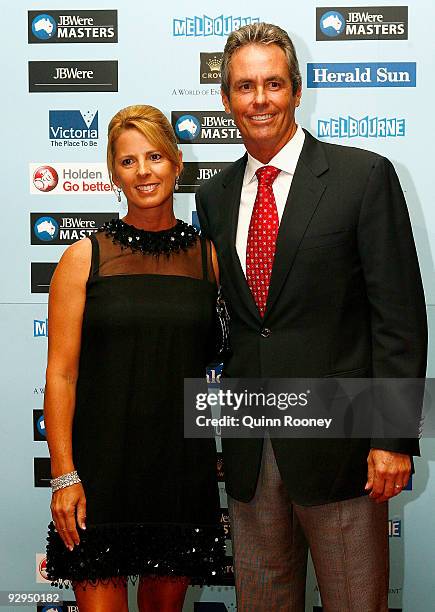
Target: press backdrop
x: 367, y: 82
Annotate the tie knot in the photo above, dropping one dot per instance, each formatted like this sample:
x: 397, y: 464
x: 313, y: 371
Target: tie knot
x: 266, y: 175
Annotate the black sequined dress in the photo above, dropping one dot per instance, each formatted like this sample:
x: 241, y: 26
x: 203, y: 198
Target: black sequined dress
x: 152, y: 495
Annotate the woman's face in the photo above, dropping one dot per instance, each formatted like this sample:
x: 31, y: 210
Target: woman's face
x: 143, y: 173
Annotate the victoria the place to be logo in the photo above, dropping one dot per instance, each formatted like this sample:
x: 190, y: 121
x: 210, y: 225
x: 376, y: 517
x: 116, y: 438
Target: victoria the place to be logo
x: 68, y: 128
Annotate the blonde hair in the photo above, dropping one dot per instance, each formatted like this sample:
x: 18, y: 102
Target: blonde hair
x: 150, y: 122
x: 261, y: 34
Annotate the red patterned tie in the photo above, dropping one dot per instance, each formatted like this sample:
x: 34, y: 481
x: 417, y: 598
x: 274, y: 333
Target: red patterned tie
x: 263, y: 230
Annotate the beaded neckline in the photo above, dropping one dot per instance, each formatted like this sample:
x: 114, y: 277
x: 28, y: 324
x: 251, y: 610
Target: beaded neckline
x: 164, y: 242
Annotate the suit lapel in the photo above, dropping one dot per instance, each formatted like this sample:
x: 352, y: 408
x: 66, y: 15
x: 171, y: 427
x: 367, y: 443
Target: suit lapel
x: 232, y: 184
x: 303, y: 199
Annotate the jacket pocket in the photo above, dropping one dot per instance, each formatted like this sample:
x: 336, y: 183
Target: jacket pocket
x: 325, y: 240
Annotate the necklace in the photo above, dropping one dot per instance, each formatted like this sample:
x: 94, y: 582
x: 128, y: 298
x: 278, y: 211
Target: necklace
x: 164, y: 242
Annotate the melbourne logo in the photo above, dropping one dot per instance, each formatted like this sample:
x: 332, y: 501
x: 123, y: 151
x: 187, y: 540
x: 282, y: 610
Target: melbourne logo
x: 70, y: 128
x: 362, y: 23
x: 210, y: 67
x: 40, y: 328
x: 205, y: 127
x: 69, y: 179
x: 45, y: 178
x: 76, y: 76
x: 73, y: 26
x: 367, y: 127
x: 389, y: 74
x: 209, y: 26
x: 195, y: 173
x: 65, y: 228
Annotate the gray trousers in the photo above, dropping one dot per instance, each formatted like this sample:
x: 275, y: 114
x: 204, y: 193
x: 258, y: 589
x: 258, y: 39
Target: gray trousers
x: 348, y: 541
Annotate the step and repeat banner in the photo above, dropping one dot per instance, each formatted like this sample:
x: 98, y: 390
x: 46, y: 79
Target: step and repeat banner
x: 367, y: 82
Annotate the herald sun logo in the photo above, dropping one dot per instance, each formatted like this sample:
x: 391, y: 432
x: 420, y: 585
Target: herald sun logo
x: 45, y: 178
x: 369, y: 74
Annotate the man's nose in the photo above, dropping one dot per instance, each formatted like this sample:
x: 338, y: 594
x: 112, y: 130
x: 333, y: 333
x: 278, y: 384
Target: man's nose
x: 260, y: 95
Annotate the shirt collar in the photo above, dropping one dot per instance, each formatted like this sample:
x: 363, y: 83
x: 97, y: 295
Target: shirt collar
x: 286, y: 159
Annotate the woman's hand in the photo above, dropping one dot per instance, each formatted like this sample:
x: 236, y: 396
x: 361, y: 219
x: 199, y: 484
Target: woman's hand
x: 68, y: 509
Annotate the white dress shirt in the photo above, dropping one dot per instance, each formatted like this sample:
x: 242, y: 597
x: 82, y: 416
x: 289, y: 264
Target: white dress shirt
x: 286, y: 160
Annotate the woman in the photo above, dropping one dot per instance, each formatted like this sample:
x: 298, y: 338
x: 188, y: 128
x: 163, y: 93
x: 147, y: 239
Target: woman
x: 131, y: 314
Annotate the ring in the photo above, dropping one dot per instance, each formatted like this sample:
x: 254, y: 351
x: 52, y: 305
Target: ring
x: 398, y: 486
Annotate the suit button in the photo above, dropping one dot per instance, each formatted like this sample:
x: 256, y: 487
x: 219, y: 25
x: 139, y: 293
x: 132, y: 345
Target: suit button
x: 265, y: 332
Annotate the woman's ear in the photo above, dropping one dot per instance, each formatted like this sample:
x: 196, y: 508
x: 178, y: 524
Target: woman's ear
x: 180, y: 163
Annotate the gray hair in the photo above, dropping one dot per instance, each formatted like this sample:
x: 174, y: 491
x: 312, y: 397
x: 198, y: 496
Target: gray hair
x: 263, y: 34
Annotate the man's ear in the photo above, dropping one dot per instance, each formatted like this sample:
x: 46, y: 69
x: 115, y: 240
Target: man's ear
x: 298, y: 96
x: 226, y: 102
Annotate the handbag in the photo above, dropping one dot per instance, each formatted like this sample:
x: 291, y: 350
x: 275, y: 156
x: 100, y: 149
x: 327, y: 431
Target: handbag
x: 222, y: 326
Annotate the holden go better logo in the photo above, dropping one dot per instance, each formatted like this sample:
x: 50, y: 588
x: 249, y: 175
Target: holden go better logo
x: 45, y: 178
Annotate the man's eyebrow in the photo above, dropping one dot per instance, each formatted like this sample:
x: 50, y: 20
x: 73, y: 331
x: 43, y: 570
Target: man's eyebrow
x: 275, y: 78
x: 249, y: 80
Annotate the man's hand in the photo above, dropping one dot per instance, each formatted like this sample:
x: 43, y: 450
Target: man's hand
x: 388, y: 473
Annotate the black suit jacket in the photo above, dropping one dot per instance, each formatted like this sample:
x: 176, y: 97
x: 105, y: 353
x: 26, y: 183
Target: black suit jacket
x: 345, y: 299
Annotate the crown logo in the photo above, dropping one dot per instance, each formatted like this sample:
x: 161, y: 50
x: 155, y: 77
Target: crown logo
x: 214, y: 64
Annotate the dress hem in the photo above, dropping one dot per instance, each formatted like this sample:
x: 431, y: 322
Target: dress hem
x: 121, y: 553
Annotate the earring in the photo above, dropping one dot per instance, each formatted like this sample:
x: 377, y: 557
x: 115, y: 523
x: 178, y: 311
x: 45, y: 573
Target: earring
x: 118, y: 194
x: 177, y: 186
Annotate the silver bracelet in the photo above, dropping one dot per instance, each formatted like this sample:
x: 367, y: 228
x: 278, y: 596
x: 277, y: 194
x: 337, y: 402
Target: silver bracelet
x: 65, y: 480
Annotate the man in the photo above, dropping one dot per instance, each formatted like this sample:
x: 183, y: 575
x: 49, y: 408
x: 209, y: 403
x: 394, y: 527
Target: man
x: 319, y: 271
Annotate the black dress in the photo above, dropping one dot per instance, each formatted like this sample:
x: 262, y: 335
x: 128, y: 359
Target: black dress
x: 152, y: 495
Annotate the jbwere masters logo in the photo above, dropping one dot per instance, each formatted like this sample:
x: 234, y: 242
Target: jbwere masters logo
x: 77, y: 26
x: 362, y: 23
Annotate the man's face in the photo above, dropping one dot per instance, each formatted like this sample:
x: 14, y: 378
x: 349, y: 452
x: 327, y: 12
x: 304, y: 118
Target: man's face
x: 261, y: 99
